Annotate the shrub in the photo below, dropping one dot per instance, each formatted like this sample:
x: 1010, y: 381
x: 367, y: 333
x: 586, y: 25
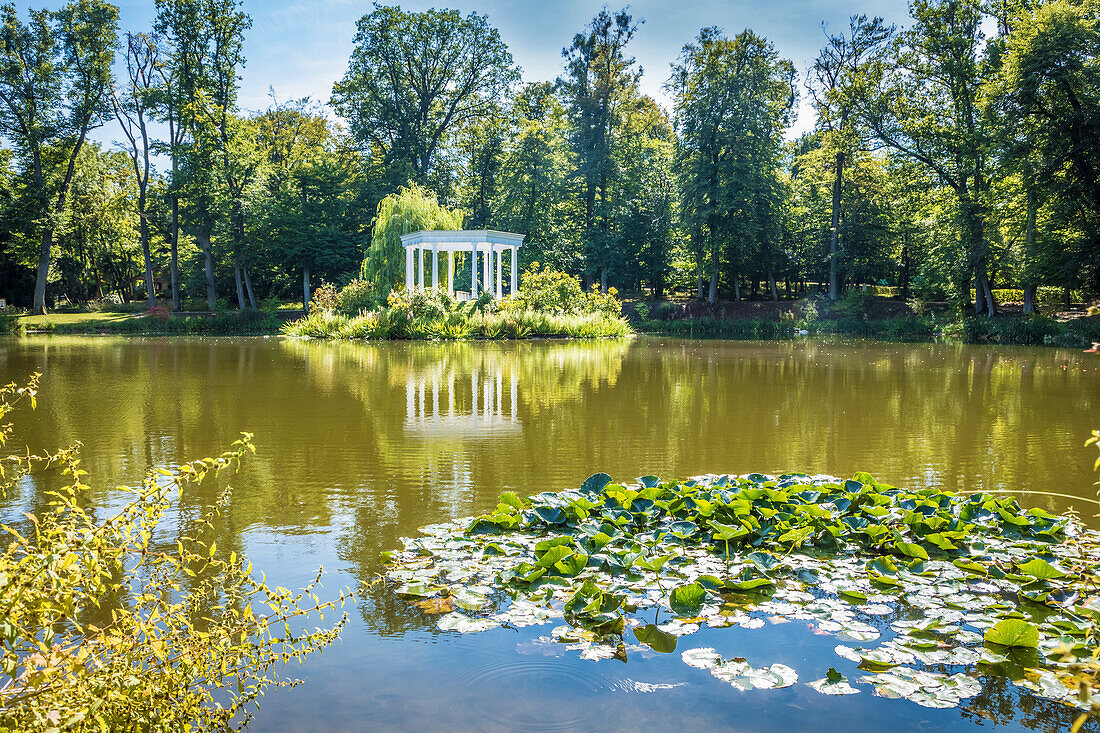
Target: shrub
x: 325, y: 298
x: 192, y: 638
x: 358, y: 296
x: 159, y: 312
x: 545, y: 290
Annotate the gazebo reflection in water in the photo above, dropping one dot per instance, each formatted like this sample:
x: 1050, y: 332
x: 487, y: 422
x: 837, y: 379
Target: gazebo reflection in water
x: 441, y: 404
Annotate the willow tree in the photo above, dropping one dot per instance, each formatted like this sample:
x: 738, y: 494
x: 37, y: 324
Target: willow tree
x: 411, y: 209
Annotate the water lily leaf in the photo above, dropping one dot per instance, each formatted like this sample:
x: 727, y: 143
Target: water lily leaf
x: 751, y: 584
x: 648, y: 481
x: 704, y: 658
x: 1013, y: 632
x: 572, y: 564
x: 833, y: 683
x: 911, y: 550
x: 765, y: 561
x: 656, y: 639
x: 553, y: 555
x: 550, y: 515
x: 595, y: 483
x: 1041, y: 569
x: 687, y: 599
x: 852, y: 593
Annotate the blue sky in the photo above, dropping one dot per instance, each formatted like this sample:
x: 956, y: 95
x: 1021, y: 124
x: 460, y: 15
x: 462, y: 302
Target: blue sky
x: 299, y: 48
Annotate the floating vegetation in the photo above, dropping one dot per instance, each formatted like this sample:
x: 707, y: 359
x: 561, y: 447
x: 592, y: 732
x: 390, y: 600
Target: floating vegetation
x: 926, y: 591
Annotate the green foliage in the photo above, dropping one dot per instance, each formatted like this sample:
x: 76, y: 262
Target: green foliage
x: 107, y: 628
x: 545, y: 290
x: 851, y: 557
x: 411, y: 209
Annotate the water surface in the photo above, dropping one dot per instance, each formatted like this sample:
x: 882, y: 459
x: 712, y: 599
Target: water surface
x: 359, y: 444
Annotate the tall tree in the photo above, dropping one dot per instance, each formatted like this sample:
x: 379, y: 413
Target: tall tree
x: 537, y: 198
x: 415, y: 78
x: 922, y: 99
x: 1047, y: 92
x: 206, y: 39
x: 830, y: 85
x: 598, y: 79
x: 733, y: 98
x: 55, y: 75
x: 133, y: 104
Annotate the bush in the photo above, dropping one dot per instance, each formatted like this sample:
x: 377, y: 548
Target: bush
x: 192, y: 640
x: 324, y: 298
x: 545, y: 290
x: 358, y: 296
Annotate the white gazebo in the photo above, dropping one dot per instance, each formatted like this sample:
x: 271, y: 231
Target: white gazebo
x: 489, y: 244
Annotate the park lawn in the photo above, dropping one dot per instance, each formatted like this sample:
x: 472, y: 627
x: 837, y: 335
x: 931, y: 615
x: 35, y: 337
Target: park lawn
x: 101, y: 318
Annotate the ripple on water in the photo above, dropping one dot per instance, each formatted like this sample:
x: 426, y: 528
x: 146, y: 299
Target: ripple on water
x: 532, y: 693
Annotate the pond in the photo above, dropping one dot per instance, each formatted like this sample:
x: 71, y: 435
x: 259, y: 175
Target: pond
x: 358, y: 445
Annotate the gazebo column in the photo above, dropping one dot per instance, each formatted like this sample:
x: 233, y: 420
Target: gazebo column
x: 451, y: 271
x: 515, y: 256
x: 435, y: 267
x: 500, y: 270
x: 420, y: 266
x: 408, y: 268
x: 473, y: 272
x: 486, y: 267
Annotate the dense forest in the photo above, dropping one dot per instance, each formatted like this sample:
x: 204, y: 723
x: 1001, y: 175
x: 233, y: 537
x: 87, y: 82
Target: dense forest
x: 954, y: 152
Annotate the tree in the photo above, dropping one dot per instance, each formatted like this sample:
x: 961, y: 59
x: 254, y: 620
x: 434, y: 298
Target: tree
x: 409, y: 210
x: 537, y: 198
x: 922, y: 99
x: 733, y: 99
x: 1047, y: 91
x: 55, y: 73
x: 132, y: 105
x: 206, y: 38
x: 109, y: 628
x: 599, y: 78
x: 830, y: 86
x: 414, y: 78
x: 646, y: 196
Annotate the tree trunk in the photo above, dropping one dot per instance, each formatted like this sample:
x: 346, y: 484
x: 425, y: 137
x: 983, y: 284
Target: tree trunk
x: 1068, y: 298
x: 834, y: 235
x: 979, y: 294
x: 208, y: 266
x: 175, y: 253
x: 987, y: 291
x: 240, y: 282
x: 305, y: 289
x: 1029, y: 299
x: 150, y: 289
x: 248, y: 289
x: 905, y: 268
x: 1029, y: 249
x: 603, y: 279
x: 44, y: 251
x: 712, y: 291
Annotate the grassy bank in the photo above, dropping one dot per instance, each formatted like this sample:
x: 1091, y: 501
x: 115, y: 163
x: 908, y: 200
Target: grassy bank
x: 248, y: 323
x: 1032, y: 330
x: 389, y: 323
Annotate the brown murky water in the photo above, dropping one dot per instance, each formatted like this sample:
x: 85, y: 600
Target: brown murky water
x: 359, y: 444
